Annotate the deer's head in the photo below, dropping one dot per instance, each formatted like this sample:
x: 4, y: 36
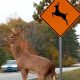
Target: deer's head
x: 57, y: 5
x: 14, y: 35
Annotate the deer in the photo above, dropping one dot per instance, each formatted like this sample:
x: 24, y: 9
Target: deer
x: 27, y: 61
x: 60, y: 14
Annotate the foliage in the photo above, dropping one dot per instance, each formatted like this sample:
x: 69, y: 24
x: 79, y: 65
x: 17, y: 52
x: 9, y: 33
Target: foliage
x: 4, y: 31
x: 38, y: 36
x: 12, y: 23
x: 55, y: 56
x: 42, y: 39
x: 69, y: 61
x: 2, y: 56
x: 70, y: 43
x: 40, y: 8
x: 44, y: 4
x: 70, y: 47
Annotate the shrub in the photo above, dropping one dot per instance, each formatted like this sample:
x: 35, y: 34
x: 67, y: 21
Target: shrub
x: 2, y: 56
x: 68, y: 61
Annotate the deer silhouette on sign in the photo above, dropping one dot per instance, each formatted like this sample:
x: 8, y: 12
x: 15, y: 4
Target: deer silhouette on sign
x: 60, y: 14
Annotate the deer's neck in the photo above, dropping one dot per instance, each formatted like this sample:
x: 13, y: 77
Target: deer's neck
x: 19, y: 48
x: 57, y: 8
x: 15, y: 49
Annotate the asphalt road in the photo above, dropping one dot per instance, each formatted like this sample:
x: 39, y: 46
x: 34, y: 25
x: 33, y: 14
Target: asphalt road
x: 31, y: 76
x: 15, y: 76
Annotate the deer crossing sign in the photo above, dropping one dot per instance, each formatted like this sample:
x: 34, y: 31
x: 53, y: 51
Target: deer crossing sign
x: 60, y: 15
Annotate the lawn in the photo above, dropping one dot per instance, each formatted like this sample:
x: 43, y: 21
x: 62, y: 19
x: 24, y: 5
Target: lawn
x: 70, y: 75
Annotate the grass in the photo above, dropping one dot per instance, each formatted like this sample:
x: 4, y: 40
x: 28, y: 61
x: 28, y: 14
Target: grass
x: 70, y: 75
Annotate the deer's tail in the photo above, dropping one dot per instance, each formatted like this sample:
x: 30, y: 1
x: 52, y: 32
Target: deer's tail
x: 52, y: 73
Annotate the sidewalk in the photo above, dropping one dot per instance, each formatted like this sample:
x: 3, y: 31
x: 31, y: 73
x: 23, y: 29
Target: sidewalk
x: 67, y: 69
x: 77, y: 65
x: 74, y: 67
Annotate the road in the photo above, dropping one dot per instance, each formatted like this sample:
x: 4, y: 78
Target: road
x: 17, y: 75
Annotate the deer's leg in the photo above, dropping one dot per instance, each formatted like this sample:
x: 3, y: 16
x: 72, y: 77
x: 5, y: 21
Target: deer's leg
x: 24, y: 73
x: 41, y: 77
x: 54, y: 76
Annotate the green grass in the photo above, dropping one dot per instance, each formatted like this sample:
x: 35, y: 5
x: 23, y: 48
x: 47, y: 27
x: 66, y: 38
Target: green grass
x: 72, y: 75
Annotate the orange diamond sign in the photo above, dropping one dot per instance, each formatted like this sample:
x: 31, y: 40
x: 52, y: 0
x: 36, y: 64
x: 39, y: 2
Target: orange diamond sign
x: 60, y: 15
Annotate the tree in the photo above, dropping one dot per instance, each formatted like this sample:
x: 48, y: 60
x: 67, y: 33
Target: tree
x: 4, y: 32
x: 44, y: 4
x: 70, y: 43
x: 12, y: 23
x: 2, y: 56
x: 41, y: 39
x: 38, y: 36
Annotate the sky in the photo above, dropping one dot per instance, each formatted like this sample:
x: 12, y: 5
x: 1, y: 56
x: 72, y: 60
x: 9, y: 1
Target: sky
x: 15, y: 8
x: 78, y: 31
x: 20, y: 8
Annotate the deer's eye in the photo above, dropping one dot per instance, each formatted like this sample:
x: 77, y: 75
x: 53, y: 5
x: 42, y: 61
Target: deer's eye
x: 11, y: 37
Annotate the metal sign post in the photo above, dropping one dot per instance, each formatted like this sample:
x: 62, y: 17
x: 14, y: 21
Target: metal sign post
x: 60, y: 57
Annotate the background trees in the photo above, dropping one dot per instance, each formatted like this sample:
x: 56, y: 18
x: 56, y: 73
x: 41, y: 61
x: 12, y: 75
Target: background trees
x: 2, y: 56
x: 41, y: 37
x: 70, y: 43
x: 4, y: 31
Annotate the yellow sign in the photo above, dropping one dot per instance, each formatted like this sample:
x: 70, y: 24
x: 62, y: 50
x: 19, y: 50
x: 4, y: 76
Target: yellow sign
x: 60, y: 15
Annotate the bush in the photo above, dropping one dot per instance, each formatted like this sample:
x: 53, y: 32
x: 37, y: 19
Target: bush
x: 2, y: 56
x: 55, y: 56
x: 68, y: 61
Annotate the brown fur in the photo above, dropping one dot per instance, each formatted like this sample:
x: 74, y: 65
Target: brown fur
x: 27, y: 61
